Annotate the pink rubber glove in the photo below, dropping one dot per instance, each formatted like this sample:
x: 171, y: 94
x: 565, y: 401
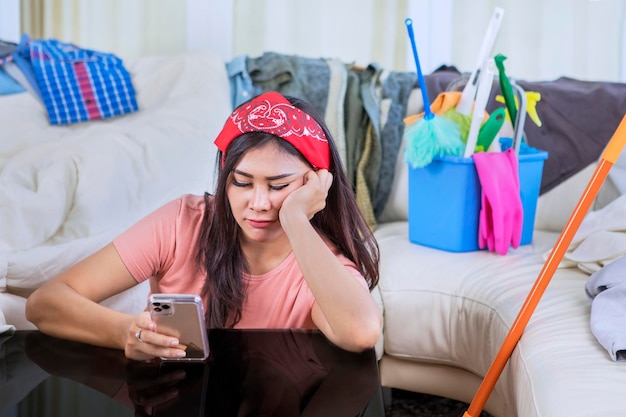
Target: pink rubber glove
x: 485, y: 237
x: 501, y: 215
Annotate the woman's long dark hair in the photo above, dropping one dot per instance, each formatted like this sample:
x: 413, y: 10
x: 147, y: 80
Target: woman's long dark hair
x: 219, y: 252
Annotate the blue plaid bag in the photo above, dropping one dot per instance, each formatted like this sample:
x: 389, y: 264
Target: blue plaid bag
x: 77, y: 84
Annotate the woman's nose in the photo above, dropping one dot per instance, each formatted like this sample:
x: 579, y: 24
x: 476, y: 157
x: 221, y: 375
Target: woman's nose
x: 260, y: 199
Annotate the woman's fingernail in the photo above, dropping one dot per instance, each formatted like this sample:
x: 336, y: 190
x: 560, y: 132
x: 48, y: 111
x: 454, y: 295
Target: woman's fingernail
x: 174, y: 342
x: 181, y: 353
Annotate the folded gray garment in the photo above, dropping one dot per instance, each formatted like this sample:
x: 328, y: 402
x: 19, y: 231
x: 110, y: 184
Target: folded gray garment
x: 6, y: 48
x: 607, y: 288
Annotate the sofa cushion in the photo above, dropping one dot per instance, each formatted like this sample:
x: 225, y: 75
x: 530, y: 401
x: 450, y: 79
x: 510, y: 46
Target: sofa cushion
x: 555, y: 206
x: 12, y: 312
x: 456, y: 309
x: 397, y: 206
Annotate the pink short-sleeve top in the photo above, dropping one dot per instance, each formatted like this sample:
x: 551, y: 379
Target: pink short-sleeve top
x: 162, y: 247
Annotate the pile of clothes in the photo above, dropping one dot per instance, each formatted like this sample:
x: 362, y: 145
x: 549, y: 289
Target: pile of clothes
x: 74, y: 84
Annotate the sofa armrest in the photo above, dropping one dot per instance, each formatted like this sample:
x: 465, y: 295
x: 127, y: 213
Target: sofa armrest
x: 379, y: 345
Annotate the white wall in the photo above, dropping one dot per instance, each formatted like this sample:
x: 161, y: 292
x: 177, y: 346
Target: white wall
x: 210, y: 26
x: 434, y: 27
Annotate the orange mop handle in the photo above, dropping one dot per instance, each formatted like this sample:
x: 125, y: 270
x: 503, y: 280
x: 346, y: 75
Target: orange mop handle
x: 609, y: 156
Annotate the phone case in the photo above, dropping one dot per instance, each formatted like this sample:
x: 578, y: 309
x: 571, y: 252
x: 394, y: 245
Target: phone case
x: 181, y: 316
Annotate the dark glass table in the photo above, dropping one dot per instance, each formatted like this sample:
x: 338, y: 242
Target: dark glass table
x: 248, y: 373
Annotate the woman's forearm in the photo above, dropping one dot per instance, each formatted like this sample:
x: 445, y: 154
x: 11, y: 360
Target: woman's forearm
x: 58, y: 310
x: 67, y: 306
x: 352, y: 316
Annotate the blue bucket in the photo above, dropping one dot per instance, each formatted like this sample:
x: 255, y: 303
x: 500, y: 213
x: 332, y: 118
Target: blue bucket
x: 444, y: 201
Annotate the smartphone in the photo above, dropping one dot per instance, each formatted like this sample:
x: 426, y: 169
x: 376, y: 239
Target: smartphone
x: 181, y: 316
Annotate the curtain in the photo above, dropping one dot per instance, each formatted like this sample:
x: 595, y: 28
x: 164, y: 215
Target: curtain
x: 126, y: 28
x: 359, y: 31
x: 542, y: 39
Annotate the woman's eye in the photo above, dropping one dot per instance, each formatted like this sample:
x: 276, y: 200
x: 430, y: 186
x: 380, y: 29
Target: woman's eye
x: 278, y: 187
x: 247, y: 184
x: 240, y: 184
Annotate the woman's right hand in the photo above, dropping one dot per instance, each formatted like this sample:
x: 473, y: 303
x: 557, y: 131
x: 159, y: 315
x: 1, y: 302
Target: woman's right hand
x: 309, y: 198
x: 143, y: 342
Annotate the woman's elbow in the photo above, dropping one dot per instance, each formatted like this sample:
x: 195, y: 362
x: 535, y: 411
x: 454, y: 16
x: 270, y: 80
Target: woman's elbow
x: 39, y: 307
x: 365, y: 336
x: 33, y: 308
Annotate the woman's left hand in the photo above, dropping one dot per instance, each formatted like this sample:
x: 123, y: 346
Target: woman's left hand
x: 311, y: 197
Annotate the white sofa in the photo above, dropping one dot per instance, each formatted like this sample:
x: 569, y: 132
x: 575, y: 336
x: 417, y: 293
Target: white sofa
x: 445, y: 314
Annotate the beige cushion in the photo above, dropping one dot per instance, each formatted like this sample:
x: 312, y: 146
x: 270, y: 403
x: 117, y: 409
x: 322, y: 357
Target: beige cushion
x: 555, y: 206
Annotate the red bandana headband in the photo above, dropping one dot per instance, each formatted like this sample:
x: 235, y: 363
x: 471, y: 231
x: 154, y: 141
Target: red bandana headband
x: 272, y: 113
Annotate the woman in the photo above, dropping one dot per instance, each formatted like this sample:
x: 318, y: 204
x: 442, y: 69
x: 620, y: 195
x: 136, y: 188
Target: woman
x: 281, y: 244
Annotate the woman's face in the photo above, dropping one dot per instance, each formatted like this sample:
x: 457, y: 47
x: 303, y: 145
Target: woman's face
x: 259, y: 184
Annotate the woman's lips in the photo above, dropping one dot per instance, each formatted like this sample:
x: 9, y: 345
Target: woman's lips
x: 260, y: 223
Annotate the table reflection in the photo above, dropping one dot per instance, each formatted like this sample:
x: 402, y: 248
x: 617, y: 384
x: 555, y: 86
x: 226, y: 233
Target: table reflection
x: 248, y: 373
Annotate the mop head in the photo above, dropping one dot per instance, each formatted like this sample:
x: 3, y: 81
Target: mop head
x: 426, y: 139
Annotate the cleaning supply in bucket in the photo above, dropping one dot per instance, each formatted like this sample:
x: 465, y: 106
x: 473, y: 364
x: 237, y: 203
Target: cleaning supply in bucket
x: 462, y: 113
x: 431, y: 135
x: 506, y: 88
x: 485, y: 82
